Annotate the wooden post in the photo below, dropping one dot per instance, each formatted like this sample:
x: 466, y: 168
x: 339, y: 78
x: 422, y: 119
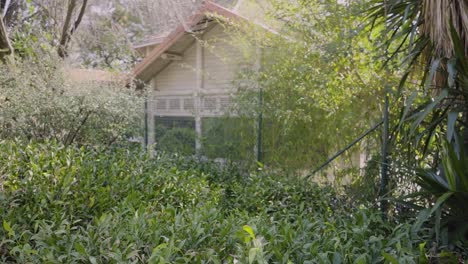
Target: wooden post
x: 150, y: 129
x: 198, y: 94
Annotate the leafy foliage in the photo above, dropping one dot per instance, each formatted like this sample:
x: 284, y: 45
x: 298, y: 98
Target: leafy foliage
x: 449, y: 184
x: 428, y: 38
x: 321, y: 83
x: 176, y: 140
x: 228, y: 137
x: 69, y: 204
x: 37, y: 102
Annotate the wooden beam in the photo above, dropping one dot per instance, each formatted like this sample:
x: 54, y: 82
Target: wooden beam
x: 171, y: 56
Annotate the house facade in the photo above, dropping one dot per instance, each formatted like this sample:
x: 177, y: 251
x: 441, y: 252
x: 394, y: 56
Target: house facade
x: 190, y: 72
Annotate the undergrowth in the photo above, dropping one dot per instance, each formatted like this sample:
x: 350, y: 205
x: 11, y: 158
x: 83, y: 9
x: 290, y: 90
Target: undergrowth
x: 79, y: 205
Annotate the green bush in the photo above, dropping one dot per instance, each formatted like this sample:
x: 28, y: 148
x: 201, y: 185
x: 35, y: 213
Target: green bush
x: 37, y: 102
x: 176, y: 140
x: 63, y: 204
x: 232, y: 138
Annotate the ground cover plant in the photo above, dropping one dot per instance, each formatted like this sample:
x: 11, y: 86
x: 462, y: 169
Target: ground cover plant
x: 79, y: 205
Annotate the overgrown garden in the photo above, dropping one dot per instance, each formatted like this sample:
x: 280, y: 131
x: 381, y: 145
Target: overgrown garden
x: 77, y: 186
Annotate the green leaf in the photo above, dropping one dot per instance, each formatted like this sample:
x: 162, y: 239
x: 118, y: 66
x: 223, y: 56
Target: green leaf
x: 427, y: 110
x: 8, y: 228
x: 80, y: 249
x: 422, y: 254
x: 389, y: 258
x: 337, y: 258
x: 252, y: 254
x: 93, y: 260
x: 422, y: 217
x: 440, y: 201
x: 451, y: 119
x: 362, y: 259
x: 249, y: 230
x: 409, y: 104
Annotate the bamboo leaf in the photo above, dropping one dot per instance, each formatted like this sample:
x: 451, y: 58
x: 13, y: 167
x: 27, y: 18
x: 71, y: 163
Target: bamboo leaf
x: 428, y: 109
x: 451, y: 119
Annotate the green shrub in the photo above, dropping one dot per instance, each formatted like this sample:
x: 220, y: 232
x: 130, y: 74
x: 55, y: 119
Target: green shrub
x: 228, y: 137
x: 177, y: 140
x: 70, y: 204
x: 37, y: 102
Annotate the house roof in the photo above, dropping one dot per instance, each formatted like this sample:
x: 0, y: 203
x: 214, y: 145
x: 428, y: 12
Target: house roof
x: 180, y: 39
x: 151, y: 40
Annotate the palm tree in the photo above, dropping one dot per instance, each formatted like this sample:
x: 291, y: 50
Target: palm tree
x: 434, y: 36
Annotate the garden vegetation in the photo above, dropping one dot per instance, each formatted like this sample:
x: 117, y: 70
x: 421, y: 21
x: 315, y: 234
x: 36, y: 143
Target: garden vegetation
x: 76, y: 186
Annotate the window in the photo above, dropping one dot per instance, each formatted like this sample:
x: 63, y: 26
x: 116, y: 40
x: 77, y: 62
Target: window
x: 175, y: 134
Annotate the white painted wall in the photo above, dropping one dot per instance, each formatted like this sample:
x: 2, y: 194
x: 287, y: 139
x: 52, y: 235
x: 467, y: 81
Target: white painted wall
x: 202, y: 92
x: 179, y: 75
x: 220, y: 60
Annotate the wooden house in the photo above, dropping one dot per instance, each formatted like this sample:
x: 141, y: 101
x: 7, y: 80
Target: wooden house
x: 190, y: 71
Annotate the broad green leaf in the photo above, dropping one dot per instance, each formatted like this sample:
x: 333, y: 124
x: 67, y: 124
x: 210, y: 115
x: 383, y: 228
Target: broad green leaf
x: 440, y: 201
x: 8, y: 228
x: 451, y: 119
x: 362, y: 259
x: 80, y: 249
x: 422, y: 217
x: 93, y: 260
x: 252, y: 254
x: 389, y: 258
x: 422, y: 254
x: 408, y: 106
x: 249, y: 230
x: 427, y: 110
x: 337, y: 258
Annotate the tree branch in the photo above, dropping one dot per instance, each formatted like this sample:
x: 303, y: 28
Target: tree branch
x: 67, y: 33
x: 5, y: 45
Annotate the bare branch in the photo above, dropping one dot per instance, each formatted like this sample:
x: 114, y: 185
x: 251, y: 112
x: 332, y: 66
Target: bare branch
x: 5, y: 45
x: 67, y: 32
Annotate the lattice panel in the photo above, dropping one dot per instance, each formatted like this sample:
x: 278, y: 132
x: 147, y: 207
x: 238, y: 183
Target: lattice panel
x: 225, y: 103
x: 174, y: 104
x: 161, y: 104
x: 209, y: 103
x: 189, y: 104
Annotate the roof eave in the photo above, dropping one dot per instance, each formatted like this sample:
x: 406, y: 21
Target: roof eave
x: 208, y: 7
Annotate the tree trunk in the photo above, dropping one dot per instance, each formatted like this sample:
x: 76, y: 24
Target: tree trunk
x: 5, y: 7
x: 68, y: 32
x: 5, y: 45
